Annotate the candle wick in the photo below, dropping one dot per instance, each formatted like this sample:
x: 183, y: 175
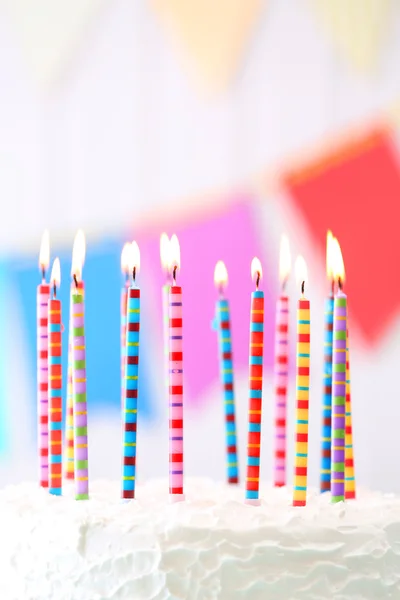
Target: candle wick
x: 340, y: 283
x: 54, y: 289
x: 302, y: 287
x: 76, y: 280
x: 174, y: 274
x: 333, y: 286
x: 258, y: 280
x: 134, y: 274
x: 284, y: 282
x: 43, y: 273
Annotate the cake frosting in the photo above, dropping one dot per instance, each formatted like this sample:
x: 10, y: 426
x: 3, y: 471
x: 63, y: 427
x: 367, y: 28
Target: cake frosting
x: 211, y: 546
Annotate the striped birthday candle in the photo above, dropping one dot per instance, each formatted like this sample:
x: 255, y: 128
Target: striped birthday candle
x: 326, y: 441
x: 69, y: 456
x: 55, y: 387
x: 176, y: 459
x: 256, y: 351
x: 42, y: 301
x: 226, y: 373
x: 131, y: 394
x: 79, y: 396
x: 349, y: 479
x: 302, y: 390
x: 338, y: 395
x: 124, y: 303
x: 280, y: 386
x: 43, y: 295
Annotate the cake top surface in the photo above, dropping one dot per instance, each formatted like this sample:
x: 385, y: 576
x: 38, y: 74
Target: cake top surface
x: 59, y: 547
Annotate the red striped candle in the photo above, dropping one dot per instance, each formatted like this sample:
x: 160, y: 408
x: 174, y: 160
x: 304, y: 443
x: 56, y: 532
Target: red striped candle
x: 176, y: 458
x: 124, y: 302
x: 43, y: 294
x: 55, y: 385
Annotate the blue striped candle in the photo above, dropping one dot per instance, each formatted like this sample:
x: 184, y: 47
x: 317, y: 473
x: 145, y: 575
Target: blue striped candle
x: 131, y: 393
x: 326, y: 441
x: 227, y: 380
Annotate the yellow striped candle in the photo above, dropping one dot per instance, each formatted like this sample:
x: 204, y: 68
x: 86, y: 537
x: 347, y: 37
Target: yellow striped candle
x: 302, y: 390
x: 349, y: 477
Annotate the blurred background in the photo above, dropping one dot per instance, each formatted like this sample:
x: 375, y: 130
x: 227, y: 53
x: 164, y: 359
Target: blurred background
x: 228, y: 123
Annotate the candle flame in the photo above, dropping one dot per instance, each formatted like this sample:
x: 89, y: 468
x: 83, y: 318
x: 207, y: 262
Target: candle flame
x: 338, y: 271
x: 329, y: 255
x: 134, y: 257
x: 55, y: 279
x: 165, y: 251
x: 284, y: 259
x: 78, y: 254
x: 220, y: 275
x: 174, y: 253
x: 256, y: 269
x: 301, y: 270
x: 44, y: 254
x: 125, y: 258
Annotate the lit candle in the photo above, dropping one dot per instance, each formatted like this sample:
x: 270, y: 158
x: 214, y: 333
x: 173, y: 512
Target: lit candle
x: 176, y: 459
x: 281, y: 365
x: 302, y: 389
x: 124, y: 299
x: 326, y: 438
x: 339, y: 379
x: 43, y: 294
x: 131, y: 378
x: 165, y: 260
x: 79, y: 380
x: 78, y: 259
x: 349, y: 479
x: 226, y: 371
x: 55, y: 384
x: 255, y: 386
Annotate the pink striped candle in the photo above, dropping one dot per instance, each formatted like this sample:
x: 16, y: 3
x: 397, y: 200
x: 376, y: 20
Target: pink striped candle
x: 43, y: 295
x: 176, y: 460
x: 281, y: 365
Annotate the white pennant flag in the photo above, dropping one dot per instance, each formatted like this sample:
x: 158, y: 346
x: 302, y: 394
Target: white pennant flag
x: 50, y: 31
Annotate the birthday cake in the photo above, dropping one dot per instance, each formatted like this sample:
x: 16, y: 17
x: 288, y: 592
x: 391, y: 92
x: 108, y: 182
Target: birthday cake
x: 211, y: 546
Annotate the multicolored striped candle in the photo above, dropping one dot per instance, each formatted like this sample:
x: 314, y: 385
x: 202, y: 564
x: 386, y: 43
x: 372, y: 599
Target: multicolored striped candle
x: 78, y: 258
x: 165, y: 260
x: 79, y: 386
x: 69, y: 455
x: 339, y: 382
x: 302, y: 389
x: 326, y: 438
x: 55, y: 384
x: 223, y: 326
x: 124, y: 300
x: 176, y: 458
x: 43, y: 295
x: 131, y: 380
x: 349, y: 479
x: 281, y: 366
x: 255, y: 387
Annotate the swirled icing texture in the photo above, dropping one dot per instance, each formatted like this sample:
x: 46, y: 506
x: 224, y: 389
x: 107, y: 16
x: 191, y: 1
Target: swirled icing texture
x: 210, y: 546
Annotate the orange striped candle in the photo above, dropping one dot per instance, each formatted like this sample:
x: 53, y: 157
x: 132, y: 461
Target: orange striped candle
x: 302, y: 390
x: 255, y: 387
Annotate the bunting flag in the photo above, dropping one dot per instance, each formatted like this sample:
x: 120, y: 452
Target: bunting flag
x: 212, y: 34
x: 354, y: 190
x: 358, y: 27
x: 51, y: 31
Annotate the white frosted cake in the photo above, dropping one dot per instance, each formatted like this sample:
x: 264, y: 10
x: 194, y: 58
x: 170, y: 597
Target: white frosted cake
x: 210, y: 546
